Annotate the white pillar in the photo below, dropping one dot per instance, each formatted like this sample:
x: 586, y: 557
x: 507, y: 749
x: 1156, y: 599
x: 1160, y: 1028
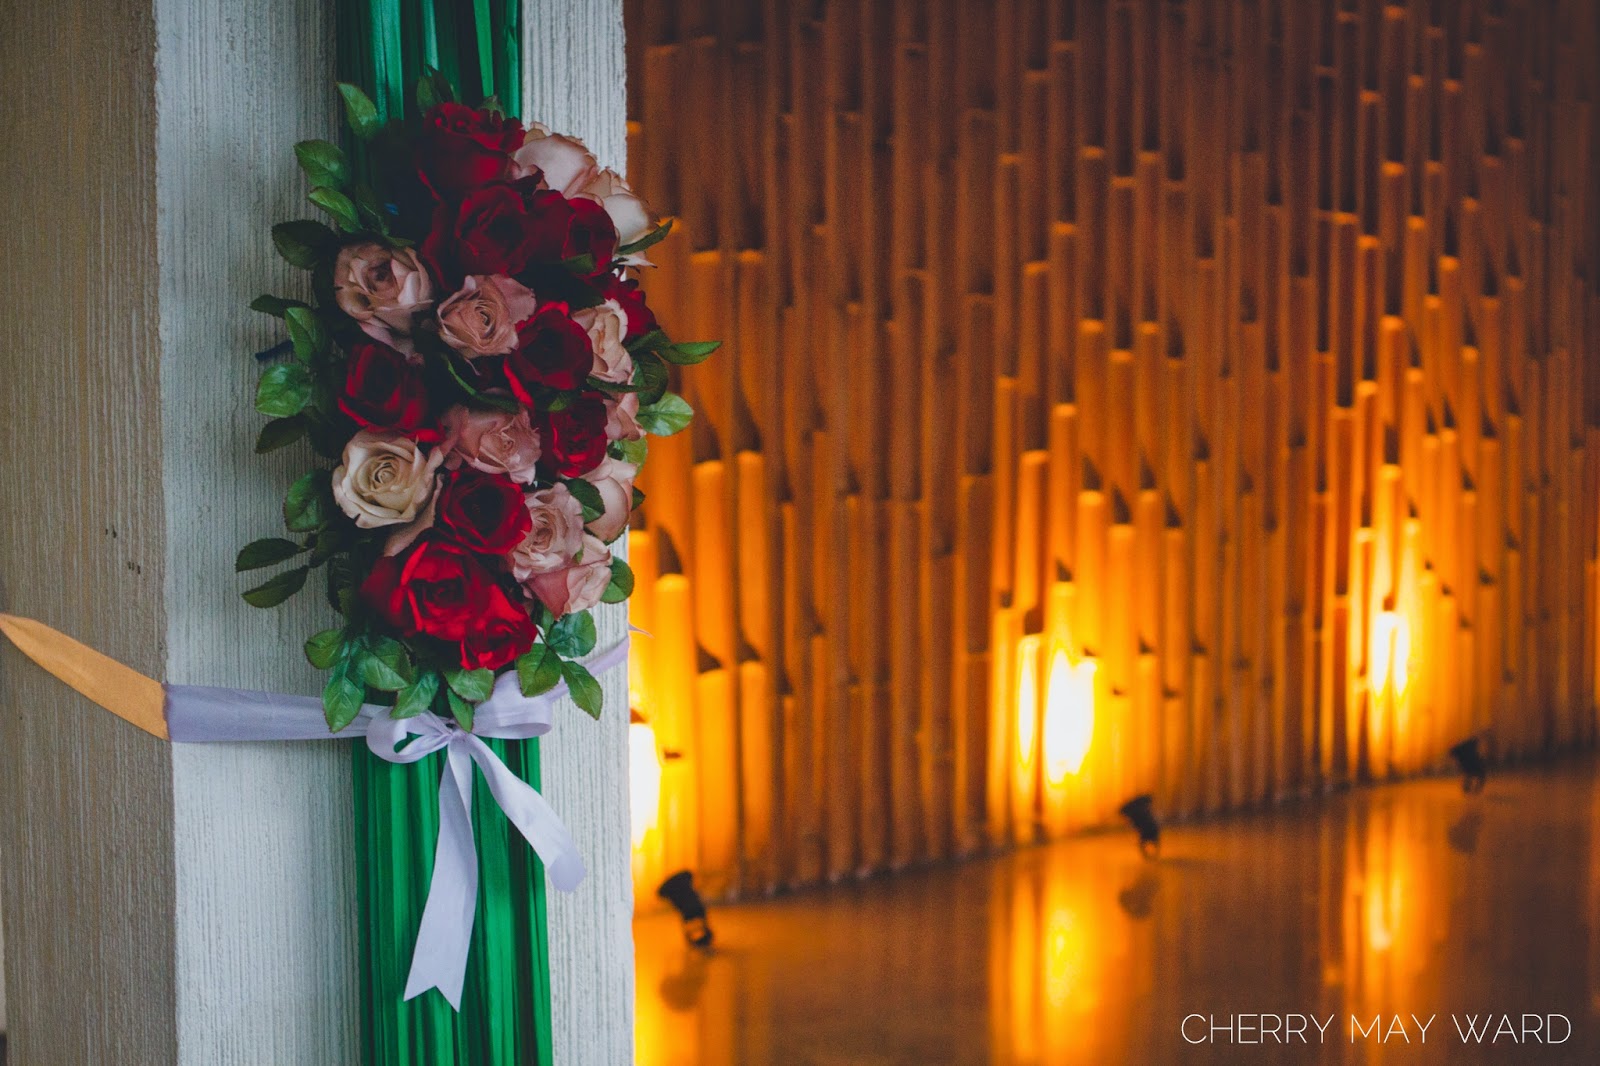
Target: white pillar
x: 575, y: 82
x: 196, y: 904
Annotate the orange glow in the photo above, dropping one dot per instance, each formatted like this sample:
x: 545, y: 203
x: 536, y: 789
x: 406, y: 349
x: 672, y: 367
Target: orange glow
x: 1027, y: 699
x: 1068, y: 716
x: 1389, y: 657
x: 644, y: 780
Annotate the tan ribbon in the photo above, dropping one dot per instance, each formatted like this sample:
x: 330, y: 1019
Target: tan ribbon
x: 122, y: 690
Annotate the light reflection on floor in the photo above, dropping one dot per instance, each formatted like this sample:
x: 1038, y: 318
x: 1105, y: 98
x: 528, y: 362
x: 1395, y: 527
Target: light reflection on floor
x: 1408, y: 899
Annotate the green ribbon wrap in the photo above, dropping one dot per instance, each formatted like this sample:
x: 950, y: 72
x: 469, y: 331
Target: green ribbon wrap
x: 505, y: 1008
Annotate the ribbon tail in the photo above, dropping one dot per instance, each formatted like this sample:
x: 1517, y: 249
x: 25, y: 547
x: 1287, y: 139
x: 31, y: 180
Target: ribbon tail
x: 534, y: 818
x: 440, y: 957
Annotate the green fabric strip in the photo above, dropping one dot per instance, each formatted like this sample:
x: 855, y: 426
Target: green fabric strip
x: 505, y: 1007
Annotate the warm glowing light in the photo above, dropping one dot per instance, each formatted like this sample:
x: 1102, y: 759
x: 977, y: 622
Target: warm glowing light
x: 1027, y: 699
x: 644, y: 779
x: 1389, y: 657
x: 1068, y: 716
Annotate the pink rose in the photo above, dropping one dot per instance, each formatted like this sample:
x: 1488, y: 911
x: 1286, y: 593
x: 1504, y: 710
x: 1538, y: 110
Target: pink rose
x: 571, y: 170
x: 607, y: 327
x: 614, y: 479
x: 556, y: 536
x: 496, y: 442
x: 622, y: 417
x: 482, y: 318
x: 383, y: 289
x: 578, y: 587
x: 386, y: 479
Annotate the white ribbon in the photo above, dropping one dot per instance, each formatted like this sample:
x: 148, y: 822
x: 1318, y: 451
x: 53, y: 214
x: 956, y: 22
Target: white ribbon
x: 440, y: 957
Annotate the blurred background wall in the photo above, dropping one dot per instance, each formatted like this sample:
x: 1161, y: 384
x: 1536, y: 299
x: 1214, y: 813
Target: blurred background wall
x: 1184, y: 396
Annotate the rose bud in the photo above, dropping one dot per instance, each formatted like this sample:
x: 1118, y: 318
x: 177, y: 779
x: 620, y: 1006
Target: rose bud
x: 461, y: 148
x: 552, y: 351
x: 481, y: 511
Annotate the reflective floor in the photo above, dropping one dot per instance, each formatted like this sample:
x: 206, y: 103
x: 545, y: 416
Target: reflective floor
x: 1385, y: 907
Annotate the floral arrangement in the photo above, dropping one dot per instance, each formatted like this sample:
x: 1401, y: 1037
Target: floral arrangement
x: 479, y: 369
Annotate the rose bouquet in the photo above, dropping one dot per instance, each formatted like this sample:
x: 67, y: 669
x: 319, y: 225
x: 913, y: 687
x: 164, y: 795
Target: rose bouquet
x: 479, y: 368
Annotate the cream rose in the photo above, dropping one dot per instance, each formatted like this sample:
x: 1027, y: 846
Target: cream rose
x: 614, y: 479
x: 496, y: 442
x: 385, y: 479
x: 571, y: 170
x: 607, y: 327
x: 383, y: 289
x: 482, y: 318
x: 556, y: 536
x: 578, y: 587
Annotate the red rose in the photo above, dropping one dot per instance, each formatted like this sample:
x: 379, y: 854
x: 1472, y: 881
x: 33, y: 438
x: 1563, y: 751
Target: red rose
x: 440, y: 590
x: 437, y: 589
x: 383, y: 391
x: 462, y: 148
x: 504, y: 632
x: 492, y: 230
x: 482, y: 511
x: 566, y: 228
x: 575, y: 437
x: 627, y: 293
x: 552, y: 350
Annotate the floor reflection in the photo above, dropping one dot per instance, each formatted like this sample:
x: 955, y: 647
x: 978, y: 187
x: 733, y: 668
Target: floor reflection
x: 1409, y: 901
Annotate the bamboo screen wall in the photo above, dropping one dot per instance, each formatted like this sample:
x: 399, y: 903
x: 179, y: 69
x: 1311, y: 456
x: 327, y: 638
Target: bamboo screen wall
x: 1237, y: 348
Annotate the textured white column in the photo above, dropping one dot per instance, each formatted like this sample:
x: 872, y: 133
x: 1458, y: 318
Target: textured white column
x: 575, y: 84
x: 262, y: 833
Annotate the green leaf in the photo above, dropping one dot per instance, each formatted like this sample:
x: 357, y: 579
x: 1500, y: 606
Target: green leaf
x: 650, y: 374
x: 322, y: 649
x: 594, y: 505
x: 581, y: 265
x: 305, y: 505
x: 360, y: 111
x: 306, y: 331
x: 647, y: 342
x: 689, y: 352
x: 341, y: 698
x: 638, y: 499
x: 278, y: 589
x: 621, y: 586
x: 654, y: 237
x: 417, y: 696
x: 572, y: 636
x: 323, y: 163
x: 474, y: 685
x: 433, y: 89
x: 284, y: 391
x: 584, y: 689
x: 267, y: 552
x: 379, y: 674
x: 499, y: 403
x: 279, y: 433
x: 304, y: 243
x: 538, y: 670
x: 460, y: 709
x: 666, y: 416
x: 273, y: 305
x: 366, y: 202
x: 631, y: 451
x: 337, y: 204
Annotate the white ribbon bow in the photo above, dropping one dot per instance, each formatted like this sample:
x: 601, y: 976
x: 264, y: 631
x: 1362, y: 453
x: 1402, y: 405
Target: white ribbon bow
x: 440, y: 958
